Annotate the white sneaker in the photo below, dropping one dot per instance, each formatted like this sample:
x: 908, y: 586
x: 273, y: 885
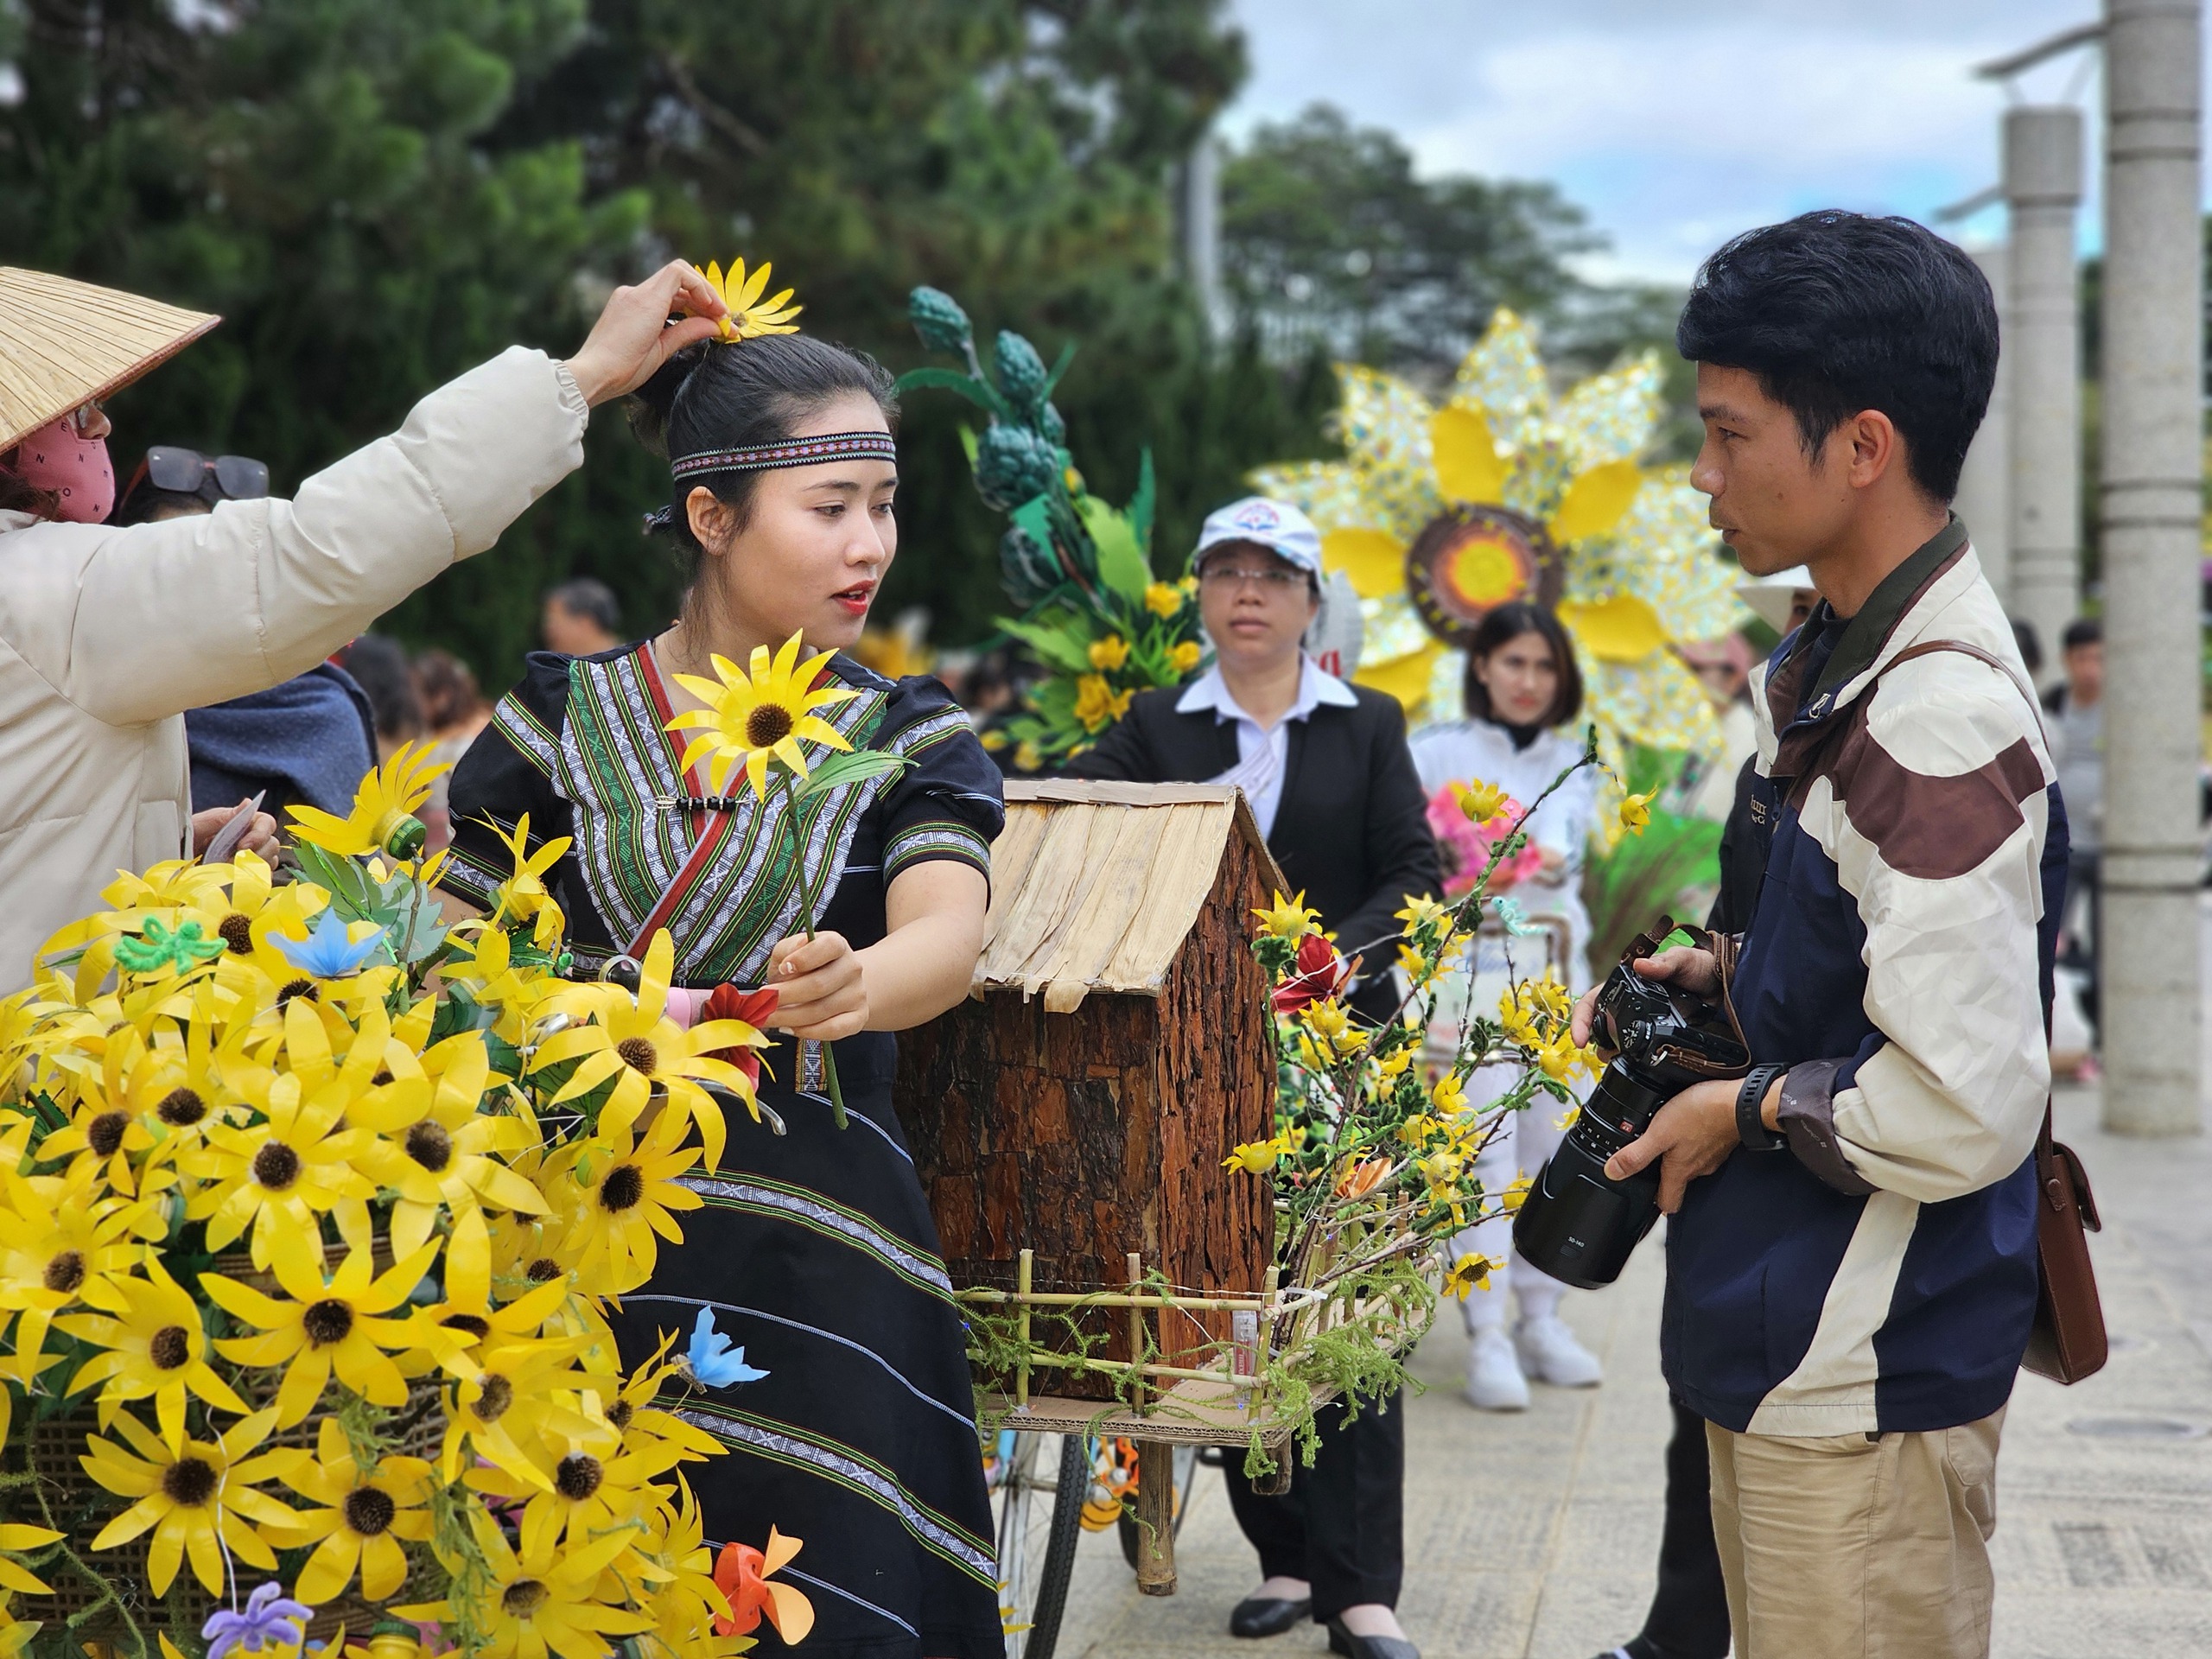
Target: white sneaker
x: 1494, y: 1379
x: 1549, y: 1353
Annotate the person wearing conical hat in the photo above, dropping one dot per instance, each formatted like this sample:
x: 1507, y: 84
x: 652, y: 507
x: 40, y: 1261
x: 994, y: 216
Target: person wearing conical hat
x: 109, y: 633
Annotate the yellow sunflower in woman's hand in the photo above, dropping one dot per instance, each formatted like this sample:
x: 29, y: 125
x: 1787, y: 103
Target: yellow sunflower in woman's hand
x: 750, y: 719
x: 193, y: 1498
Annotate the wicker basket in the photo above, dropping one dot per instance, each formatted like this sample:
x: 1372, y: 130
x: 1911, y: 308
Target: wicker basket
x: 81, y: 1506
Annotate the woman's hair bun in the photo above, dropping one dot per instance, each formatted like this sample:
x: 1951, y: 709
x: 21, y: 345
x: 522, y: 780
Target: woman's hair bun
x: 651, y: 404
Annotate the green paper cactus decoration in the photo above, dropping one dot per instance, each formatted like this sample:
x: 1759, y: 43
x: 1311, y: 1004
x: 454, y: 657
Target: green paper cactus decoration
x: 1077, y: 569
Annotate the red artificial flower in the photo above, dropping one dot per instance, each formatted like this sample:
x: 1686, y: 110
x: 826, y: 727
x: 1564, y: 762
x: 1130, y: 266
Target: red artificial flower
x: 1317, y: 972
x: 728, y: 1002
x: 742, y: 1573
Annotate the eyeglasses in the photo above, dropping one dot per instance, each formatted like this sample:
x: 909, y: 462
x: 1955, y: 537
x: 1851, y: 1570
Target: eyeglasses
x: 186, y: 472
x: 1227, y: 576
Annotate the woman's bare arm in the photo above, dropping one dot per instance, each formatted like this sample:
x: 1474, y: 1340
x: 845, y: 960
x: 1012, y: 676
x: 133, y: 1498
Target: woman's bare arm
x: 922, y: 966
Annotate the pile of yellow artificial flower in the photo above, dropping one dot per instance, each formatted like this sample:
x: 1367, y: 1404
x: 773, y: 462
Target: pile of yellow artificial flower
x: 1373, y: 1156
x: 310, y: 1205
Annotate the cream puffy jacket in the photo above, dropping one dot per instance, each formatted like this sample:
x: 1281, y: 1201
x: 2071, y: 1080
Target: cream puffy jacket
x: 108, y: 635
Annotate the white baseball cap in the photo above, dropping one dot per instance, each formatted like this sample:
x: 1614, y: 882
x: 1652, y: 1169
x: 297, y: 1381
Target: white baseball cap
x: 1275, y: 525
x: 1770, y: 597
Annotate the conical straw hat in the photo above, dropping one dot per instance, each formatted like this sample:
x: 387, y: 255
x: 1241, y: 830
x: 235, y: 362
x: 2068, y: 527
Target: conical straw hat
x: 64, y: 344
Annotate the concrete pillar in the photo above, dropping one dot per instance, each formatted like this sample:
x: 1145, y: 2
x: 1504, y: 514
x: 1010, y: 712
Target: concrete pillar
x: 2152, y: 420
x: 2043, y: 188
x: 1197, y: 228
x: 1985, y: 498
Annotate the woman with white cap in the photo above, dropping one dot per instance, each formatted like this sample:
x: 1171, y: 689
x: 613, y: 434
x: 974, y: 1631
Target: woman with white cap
x: 108, y: 634
x: 1325, y: 769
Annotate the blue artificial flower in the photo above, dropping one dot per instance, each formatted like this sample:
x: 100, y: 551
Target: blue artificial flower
x: 327, y: 953
x: 270, y: 1619
x: 1516, y: 919
x: 712, y: 1361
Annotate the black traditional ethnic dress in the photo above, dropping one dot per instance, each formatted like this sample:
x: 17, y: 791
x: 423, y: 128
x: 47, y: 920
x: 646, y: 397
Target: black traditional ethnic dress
x: 815, y: 1249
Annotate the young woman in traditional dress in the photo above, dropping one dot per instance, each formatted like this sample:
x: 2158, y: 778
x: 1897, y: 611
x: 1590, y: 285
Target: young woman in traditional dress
x: 814, y: 1250
x: 1522, y: 693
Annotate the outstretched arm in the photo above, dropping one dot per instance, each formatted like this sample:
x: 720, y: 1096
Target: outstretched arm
x: 135, y: 625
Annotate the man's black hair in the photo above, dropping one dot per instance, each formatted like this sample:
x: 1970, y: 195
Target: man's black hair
x: 2082, y: 630
x: 593, y: 600
x: 1836, y: 312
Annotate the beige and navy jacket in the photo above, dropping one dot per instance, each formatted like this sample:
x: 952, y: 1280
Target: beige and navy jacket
x: 1879, y: 1273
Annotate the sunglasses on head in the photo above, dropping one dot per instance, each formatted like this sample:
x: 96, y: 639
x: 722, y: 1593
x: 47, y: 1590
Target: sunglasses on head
x: 186, y: 472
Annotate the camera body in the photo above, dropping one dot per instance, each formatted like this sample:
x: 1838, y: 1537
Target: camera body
x: 1574, y: 1223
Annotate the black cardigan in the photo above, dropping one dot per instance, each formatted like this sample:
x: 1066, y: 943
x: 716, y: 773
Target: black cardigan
x: 1352, y: 829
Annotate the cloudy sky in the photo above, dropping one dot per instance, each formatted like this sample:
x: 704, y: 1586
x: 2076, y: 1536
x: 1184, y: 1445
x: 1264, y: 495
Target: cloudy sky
x: 1674, y: 124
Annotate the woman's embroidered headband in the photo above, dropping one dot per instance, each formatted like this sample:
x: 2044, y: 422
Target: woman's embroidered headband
x: 786, y: 452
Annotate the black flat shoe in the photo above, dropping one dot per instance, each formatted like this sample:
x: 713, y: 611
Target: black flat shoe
x: 1369, y: 1647
x: 1265, y: 1616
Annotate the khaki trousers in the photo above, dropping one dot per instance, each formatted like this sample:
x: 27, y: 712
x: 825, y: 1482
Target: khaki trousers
x: 1841, y: 1547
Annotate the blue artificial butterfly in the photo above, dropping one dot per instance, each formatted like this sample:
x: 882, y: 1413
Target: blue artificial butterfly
x: 712, y: 1361
x: 326, y: 952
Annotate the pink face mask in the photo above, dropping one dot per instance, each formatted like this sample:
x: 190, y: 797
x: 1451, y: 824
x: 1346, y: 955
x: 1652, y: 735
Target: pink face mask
x: 76, y: 469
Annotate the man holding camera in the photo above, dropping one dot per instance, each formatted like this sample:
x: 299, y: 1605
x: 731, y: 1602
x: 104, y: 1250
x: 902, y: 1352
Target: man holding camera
x: 1852, y: 1270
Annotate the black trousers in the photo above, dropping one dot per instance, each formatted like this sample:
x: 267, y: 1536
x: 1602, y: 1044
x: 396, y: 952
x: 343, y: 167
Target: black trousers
x: 1341, y: 1526
x: 1689, y: 1610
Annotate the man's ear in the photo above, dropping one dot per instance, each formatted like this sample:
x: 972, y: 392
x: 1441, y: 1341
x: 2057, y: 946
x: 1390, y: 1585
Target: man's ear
x: 1876, y: 447
x: 711, y: 516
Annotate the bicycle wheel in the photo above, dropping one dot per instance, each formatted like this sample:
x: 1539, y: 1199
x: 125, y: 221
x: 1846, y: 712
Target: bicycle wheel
x: 1040, y: 1518
x: 1186, y: 1471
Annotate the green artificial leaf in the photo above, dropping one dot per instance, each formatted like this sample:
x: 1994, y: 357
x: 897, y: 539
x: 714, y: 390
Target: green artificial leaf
x: 1060, y: 368
x: 1060, y: 648
x: 978, y: 392
x: 347, y: 882
x: 458, y: 1011
x: 1033, y: 519
x: 855, y: 766
x: 1144, y: 502
x: 1121, y: 564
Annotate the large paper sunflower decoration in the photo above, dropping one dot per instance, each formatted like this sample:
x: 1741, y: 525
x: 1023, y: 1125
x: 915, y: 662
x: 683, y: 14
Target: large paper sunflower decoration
x: 1439, y: 514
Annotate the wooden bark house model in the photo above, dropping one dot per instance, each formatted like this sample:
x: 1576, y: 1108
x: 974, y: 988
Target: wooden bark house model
x: 1078, y: 1106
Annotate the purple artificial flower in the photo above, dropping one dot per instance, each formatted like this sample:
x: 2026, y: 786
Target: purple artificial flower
x: 268, y: 1618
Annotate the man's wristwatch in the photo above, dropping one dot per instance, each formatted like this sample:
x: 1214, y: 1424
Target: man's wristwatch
x: 1750, y: 1127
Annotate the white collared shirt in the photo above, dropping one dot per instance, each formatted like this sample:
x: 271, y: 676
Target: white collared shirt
x: 1262, y: 753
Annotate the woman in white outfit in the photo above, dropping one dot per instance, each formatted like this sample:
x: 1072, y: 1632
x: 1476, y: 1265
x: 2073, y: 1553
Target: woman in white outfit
x: 1523, y: 694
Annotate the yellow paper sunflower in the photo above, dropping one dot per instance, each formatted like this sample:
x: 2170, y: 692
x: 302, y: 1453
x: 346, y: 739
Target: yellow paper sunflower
x: 1439, y: 513
x: 361, y: 1513
x: 752, y: 719
x: 634, y: 1042
x: 630, y: 1192
x: 751, y: 316
x: 193, y: 1498
x: 382, y: 819
x: 540, y: 1602
x: 339, y: 1325
x: 154, y: 1344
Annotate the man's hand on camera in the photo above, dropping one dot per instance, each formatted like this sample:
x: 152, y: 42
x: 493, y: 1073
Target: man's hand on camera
x: 1691, y: 1135
x: 1684, y: 965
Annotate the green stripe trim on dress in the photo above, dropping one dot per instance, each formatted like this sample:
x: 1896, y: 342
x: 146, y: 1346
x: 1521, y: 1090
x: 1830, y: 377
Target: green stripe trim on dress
x: 757, y: 1195
x: 854, y: 1471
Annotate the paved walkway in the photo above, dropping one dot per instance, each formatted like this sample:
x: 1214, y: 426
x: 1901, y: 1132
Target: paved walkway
x: 1534, y: 1537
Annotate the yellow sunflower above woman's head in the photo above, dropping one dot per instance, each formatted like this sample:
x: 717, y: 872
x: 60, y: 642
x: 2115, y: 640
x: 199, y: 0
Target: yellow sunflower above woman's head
x: 751, y: 316
x: 752, y: 720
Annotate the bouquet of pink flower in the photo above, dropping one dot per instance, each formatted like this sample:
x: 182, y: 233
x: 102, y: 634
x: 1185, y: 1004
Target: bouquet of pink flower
x: 1467, y: 841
